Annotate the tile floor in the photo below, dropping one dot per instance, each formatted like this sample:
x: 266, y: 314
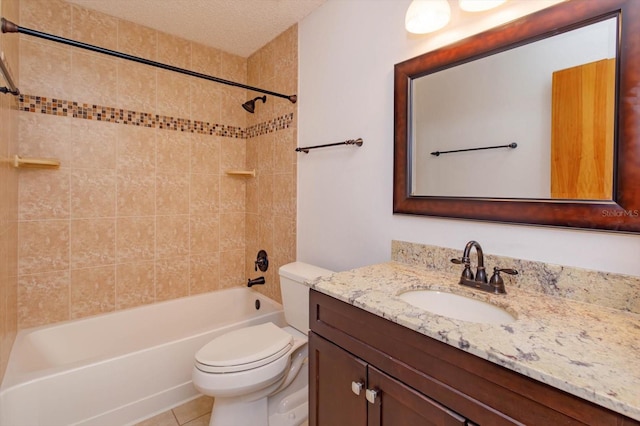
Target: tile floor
x: 196, y: 412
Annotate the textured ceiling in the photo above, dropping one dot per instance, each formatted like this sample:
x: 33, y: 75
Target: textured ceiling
x: 236, y: 26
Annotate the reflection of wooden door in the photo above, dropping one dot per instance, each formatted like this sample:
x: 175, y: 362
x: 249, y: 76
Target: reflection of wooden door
x: 582, y: 131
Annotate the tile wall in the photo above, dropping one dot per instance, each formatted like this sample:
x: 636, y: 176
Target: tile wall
x: 8, y: 195
x: 141, y: 209
x: 271, y: 196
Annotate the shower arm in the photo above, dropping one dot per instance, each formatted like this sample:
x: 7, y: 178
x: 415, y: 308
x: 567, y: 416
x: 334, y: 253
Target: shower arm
x: 10, y: 27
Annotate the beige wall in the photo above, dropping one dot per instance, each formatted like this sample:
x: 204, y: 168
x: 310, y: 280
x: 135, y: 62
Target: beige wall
x: 8, y: 195
x: 271, y: 196
x: 141, y: 214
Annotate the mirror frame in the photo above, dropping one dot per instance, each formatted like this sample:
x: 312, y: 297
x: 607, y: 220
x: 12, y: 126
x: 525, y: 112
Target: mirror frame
x: 620, y: 214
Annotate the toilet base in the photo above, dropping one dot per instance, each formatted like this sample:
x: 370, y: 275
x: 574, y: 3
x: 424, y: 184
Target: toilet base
x: 232, y: 412
x: 293, y: 414
x: 289, y: 407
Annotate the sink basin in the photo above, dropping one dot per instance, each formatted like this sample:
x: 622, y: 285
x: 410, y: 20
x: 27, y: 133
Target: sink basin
x: 457, y: 307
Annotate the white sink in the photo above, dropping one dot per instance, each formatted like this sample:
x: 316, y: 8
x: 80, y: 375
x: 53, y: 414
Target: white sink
x: 457, y: 307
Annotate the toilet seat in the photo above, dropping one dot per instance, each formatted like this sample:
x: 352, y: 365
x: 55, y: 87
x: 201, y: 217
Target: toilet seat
x: 244, y: 349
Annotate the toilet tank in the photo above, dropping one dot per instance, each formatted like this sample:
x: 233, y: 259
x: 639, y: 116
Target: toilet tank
x: 295, y: 293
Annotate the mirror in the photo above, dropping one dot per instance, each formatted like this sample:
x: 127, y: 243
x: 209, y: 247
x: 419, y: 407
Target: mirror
x: 517, y: 97
x: 471, y: 95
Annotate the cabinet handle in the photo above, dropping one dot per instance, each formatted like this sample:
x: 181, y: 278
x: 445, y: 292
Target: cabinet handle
x: 371, y: 395
x: 356, y: 387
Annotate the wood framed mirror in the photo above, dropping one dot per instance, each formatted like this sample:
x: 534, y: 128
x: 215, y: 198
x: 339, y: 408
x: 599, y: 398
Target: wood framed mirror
x: 615, y: 210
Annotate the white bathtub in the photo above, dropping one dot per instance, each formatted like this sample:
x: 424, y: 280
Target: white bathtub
x: 118, y: 368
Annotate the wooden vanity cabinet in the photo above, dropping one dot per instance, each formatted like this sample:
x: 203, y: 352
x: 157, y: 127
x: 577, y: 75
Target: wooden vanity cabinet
x: 421, y: 381
x: 336, y: 371
x: 340, y: 393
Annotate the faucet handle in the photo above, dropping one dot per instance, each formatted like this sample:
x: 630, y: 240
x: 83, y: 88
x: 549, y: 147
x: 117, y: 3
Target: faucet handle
x: 466, y: 273
x: 496, y: 280
x: 505, y: 270
x: 262, y: 261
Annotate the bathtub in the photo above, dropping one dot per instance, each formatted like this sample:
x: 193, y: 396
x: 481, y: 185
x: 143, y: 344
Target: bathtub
x: 121, y: 367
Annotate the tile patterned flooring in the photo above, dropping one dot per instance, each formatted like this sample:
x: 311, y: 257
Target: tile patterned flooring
x: 196, y: 412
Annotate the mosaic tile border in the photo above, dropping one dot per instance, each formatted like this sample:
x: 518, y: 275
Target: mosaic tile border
x: 278, y: 123
x: 66, y: 108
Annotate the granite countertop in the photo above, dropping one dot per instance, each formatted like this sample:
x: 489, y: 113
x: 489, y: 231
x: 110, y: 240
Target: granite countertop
x: 587, y: 350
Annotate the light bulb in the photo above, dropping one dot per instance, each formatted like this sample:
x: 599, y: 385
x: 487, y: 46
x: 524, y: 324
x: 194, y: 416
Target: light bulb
x: 426, y: 16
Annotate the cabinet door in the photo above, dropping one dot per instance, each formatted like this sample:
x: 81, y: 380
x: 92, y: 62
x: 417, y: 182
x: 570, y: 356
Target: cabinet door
x: 332, y: 401
x: 396, y: 404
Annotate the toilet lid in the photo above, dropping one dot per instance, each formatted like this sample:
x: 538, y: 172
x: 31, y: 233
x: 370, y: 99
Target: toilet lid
x: 245, y: 348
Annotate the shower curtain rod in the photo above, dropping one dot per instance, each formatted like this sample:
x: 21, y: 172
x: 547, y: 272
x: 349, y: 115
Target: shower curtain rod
x: 10, y: 27
x: 11, y: 86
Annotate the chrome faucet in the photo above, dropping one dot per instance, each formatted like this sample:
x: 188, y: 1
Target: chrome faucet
x: 479, y: 281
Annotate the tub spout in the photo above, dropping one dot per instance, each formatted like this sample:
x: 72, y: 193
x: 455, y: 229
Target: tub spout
x: 255, y: 281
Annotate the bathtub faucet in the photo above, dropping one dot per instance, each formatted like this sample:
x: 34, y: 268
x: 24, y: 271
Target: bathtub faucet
x: 255, y: 281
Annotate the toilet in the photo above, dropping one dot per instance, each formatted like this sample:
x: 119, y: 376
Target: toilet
x: 258, y: 375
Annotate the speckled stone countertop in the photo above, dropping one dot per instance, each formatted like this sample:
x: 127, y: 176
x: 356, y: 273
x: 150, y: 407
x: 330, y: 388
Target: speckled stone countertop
x: 588, y: 350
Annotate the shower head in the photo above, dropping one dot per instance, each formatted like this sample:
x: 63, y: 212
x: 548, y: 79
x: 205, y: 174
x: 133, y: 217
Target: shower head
x: 251, y: 105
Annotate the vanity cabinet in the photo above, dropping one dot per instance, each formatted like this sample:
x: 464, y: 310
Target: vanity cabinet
x: 336, y: 372
x: 348, y: 391
x: 365, y: 370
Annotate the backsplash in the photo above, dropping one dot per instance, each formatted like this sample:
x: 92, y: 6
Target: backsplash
x: 606, y: 289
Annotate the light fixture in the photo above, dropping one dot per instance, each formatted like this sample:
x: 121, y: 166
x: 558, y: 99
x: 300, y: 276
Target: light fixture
x: 426, y: 16
x: 251, y: 105
x: 479, y: 5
